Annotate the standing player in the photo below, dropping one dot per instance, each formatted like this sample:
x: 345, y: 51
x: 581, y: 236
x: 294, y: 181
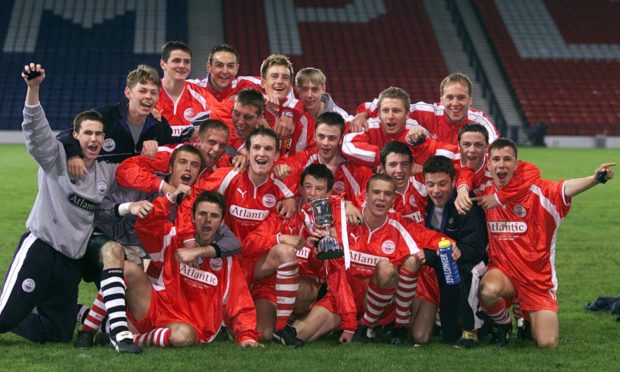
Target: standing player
x: 310, y: 88
x: 222, y: 68
x: 201, y: 290
x: 522, y: 237
x: 181, y: 102
x: 391, y: 125
x: 442, y: 120
x: 45, y: 271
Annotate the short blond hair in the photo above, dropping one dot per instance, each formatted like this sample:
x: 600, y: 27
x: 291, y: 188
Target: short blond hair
x: 310, y: 74
x: 395, y: 93
x: 457, y: 77
x: 275, y: 60
x: 143, y: 74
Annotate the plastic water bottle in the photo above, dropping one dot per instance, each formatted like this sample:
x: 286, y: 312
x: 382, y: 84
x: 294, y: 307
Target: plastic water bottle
x: 450, y: 269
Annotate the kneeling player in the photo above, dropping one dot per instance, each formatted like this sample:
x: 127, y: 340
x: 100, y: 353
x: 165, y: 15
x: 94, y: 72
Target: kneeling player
x: 522, y: 237
x: 200, y: 290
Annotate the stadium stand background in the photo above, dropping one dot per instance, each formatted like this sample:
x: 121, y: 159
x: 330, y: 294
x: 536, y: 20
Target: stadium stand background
x: 550, y: 61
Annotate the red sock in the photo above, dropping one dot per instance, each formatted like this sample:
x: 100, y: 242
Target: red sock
x: 157, y: 337
x: 498, y: 312
x: 405, y: 292
x: 287, y: 284
x: 95, y: 315
x: 377, y: 299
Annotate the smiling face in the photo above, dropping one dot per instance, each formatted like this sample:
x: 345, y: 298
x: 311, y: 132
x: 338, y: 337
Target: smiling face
x: 313, y: 189
x: 185, y: 169
x: 327, y: 141
x: 142, y: 98
x: 207, y: 218
x: 91, y: 138
x: 439, y: 187
x: 379, y: 198
x: 398, y: 166
x: 223, y: 69
x: 178, y: 66
x: 244, y: 119
x: 456, y: 100
x: 393, y: 116
x: 277, y: 81
x: 262, y: 154
x: 502, y: 165
x: 213, y: 144
x: 472, y: 147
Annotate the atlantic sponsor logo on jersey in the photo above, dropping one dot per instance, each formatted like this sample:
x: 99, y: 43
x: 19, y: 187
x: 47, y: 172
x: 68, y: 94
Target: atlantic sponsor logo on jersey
x: 303, y: 253
x: 365, y: 259
x: 82, y: 202
x: 247, y: 213
x: 198, y: 275
x: 507, y: 227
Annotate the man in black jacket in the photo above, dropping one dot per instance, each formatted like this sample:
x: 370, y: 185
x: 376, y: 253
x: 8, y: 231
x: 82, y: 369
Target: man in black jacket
x: 130, y: 127
x: 457, y: 303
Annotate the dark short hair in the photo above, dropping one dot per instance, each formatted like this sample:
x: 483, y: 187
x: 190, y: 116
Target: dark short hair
x: 211, y: 197
x: 395, y: 147
x: 222, y: 48
x: 262, y: 131
x: 474, y: 127
x: 502, y: 142
x: 251, y: 97
x: 320, y: 172
x: 331, y: 119
x: 170, y: 46
x: 439, y: 164
x: 87, y: 115
x: 212, y: 124
x: 190, y: 149
x: 380, y: 177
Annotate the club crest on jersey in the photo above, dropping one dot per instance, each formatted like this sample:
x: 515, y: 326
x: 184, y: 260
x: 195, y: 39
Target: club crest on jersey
x: 338, y: 187
x: 188, y: 114
x: 109, y: 144
x: 412, y: 201
x: 388, y: 247
x: 102, y: 188
x: 215, y: 264
x: 28, y: 285
x: 519, y: 210
x: 269, y: 200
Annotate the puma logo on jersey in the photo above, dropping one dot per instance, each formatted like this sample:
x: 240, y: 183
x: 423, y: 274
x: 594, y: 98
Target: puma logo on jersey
x: 241, y: 192
x: 291, y: 230
x: 355, y: 237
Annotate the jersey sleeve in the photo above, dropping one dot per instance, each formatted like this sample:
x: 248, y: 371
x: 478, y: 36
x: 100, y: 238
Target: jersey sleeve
x: 155, y: 226
x: 40, y: 141
x: 357, y: 148
x: 431, y: 147
x: 228, y: 243
x: 138, y: 172
x: 239, y: 307
x: 263, y: 238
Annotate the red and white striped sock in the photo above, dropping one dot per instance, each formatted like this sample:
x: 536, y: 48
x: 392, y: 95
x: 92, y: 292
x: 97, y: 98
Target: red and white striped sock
x: 95, y: 315
x: 405, y: 292
x: 516, y: 309
x: 377, y: 299
x: 157, y: 337
x: 498, y: 312
x: 287, y: 284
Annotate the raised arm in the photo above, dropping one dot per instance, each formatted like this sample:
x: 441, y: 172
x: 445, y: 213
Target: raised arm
x: 576, y: 186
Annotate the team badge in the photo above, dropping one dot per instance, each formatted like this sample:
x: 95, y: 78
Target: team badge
x: 215, y: 264
x: 188, y: 114
x: 102, y: 188
x: 388, y: 247
x: 28, y: 285
x: 519, y: 210
x: 109, y: 144
x: 338, y: 187
x: 412, y: 201
x: 269, y: 200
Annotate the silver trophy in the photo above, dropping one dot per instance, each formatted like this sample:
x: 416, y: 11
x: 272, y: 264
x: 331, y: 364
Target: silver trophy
x: 327, y: 247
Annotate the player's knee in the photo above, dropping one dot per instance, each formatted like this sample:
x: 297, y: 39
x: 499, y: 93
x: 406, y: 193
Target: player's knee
x: 285, y: 253
x: 385, y: 273
x: 112, y: 255
x: 266, y: 333
x: 411, y: 264
x: 420, y: 336
x: 547, y: 341
x: 182, y: 336
x: 488, y: 291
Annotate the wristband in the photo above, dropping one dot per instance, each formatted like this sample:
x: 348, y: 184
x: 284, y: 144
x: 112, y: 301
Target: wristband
x: 287, y: 114
x: 218, y: 251
x: 601, y: 176
x: 123, y: 209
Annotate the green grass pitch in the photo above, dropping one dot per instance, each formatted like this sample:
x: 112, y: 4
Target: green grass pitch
x: 587, y: 262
